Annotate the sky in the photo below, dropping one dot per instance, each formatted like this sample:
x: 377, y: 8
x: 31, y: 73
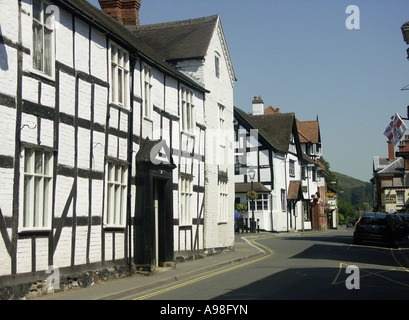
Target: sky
x: 299, y: 56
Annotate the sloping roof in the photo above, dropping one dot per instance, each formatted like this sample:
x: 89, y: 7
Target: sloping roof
x: 245, y: 187
x: 394, y: 168
x: 307, y: 159
x: 188, y: 39
x: 294, y: 191
x: 274, y: 128
x: 124, y: 37
x: 309, y: 131
x: 380, y: 163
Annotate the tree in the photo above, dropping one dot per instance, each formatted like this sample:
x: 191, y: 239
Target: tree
x: 347, y: 211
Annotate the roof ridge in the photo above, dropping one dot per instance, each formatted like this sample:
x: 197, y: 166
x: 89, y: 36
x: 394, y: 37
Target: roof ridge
x: 179, y: 22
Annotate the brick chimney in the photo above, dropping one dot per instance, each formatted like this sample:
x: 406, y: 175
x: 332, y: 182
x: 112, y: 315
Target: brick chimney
x: 391, y: 152
x: 123, y: 11
x: 406, y: 141
x: 404, y: 148
x: 258, y: 106
x: 401, y: 146
x: 271, y: 110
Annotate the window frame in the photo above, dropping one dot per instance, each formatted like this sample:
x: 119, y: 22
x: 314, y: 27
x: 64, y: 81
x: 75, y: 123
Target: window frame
x: 113, y: 218
x: 147, y: 76
x: 283, y: 200
x: 31, y: 179
x: 119, y: 75
x: 291, y: 168
x: 188, y: 110
x: 185, y: 200
x: 41, y: 21
x: 400, y: 198
x: 222, y: 124
x: 217, y: 65
x: 261, y: 204
x: 223, y: 201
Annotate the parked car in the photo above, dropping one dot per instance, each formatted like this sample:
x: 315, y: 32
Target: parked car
x: 405, y: 219
x: 399, y: 225
x: 378, y: 226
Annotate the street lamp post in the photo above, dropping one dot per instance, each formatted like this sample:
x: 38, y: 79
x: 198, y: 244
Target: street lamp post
x: 252, y: 173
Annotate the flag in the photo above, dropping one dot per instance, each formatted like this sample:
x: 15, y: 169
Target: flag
x: 395, y: 130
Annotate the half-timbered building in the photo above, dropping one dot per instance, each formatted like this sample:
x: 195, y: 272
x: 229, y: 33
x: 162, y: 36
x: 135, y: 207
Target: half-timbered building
x: 269, y: 144
x: 198, y: 48
x: 289, y: 177
x: 103, y: 150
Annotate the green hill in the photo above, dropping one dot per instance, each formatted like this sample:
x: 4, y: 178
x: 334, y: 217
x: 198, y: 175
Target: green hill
x: 352, y: 190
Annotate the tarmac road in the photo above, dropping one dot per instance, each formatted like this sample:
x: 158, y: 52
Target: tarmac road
x: 300, y: 266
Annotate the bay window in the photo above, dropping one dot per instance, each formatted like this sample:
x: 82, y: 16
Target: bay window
x: 261, y: 203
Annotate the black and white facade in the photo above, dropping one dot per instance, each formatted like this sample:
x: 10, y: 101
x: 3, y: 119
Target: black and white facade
x: 102, y: 159
x: 269, y: 144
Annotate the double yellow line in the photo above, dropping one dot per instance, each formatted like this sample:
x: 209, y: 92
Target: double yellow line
x: 369, y: 273
x: 270, y: 252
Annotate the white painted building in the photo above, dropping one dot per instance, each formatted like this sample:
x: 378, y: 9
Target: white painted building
x: 287, y: 174
x: 270, y: 145
x: 103, y: 151
x: 198, y: 48
x: 314, y: 186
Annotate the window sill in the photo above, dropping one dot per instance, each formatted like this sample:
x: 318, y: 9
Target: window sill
x: 119, y: 106
x: 42, y: 75
x: 188, y: 133
x: 38, y: 232
x: 114, y: 228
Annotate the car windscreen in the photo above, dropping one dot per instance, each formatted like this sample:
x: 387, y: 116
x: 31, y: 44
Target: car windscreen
x: 377, y: 221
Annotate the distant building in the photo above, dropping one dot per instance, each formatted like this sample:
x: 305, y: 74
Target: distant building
x: 292, y: 194
x: 390, y: 179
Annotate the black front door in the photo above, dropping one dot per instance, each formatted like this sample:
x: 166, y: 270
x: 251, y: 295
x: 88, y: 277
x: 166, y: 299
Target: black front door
x: 154, y: 208
x: 163, y: 223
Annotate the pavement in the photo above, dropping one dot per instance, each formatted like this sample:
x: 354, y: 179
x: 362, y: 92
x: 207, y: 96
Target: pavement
x: 120, y: 288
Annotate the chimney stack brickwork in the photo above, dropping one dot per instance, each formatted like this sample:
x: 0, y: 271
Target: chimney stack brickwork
x: 404, y: 152
x: 125, y: 12
x: 391, y: 151
x: 258, y: 106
